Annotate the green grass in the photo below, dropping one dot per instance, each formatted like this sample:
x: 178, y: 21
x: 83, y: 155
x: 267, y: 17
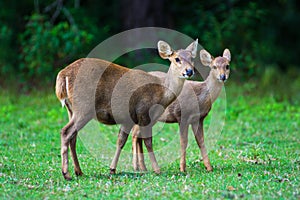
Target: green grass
x: 257, y: 155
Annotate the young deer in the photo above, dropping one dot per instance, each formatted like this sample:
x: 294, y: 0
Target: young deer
x: 196, y: 111
x: 91, y: 88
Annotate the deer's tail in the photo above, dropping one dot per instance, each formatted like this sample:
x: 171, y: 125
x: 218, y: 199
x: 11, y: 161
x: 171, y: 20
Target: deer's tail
x: 61, y: 88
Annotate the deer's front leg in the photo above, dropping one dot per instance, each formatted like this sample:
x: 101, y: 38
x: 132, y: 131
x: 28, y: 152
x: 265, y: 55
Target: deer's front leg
x: 122, y: 138
x: 147, y: 137
x: 141, y: 160
x: 198, y: 132
x: 183, y: 145
x: 135, y: 133
x: 137, y: 150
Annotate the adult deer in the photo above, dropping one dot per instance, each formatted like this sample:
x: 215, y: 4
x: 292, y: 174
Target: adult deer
x: 193, y: 114
x: 91, y: 88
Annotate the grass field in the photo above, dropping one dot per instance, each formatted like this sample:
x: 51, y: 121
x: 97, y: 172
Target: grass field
x: 257, y: 155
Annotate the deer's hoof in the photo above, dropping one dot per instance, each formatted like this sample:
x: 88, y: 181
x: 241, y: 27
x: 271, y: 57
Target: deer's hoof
x: 143, y: 169
x: 78, y: 173
x: 182, y: 169
x: 112, y: 171
x: 209, y: 169
x: 136, y: 168
x: 67, y: 176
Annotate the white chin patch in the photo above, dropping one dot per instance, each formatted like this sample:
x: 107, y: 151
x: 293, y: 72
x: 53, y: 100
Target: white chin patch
x: 222, y: 81
x: 183, y: 76
x: 186, y: 76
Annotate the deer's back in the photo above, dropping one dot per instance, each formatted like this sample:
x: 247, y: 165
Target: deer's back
x: 114, y: 94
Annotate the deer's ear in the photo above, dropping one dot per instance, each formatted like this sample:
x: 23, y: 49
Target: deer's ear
x: 164, y: 49
x: 205, y: 58
x: 193, y: 48
x: 227, y: 55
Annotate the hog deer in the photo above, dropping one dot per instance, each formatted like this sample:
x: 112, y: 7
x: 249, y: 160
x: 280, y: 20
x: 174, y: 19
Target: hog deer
x: 92, y: 88
x: 207, y: 92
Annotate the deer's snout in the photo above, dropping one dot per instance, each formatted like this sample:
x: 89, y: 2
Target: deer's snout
x: 223, y: 77
x: 188, y: 73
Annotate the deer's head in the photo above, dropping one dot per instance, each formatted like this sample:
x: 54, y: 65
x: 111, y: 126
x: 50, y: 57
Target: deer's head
x: 218, y: 65
x: 181, y: 60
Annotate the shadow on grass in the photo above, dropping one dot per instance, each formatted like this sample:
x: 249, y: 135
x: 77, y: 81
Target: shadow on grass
x: 108, y: 176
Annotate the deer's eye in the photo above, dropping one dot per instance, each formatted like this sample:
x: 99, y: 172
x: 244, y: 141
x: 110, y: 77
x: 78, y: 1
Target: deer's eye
x: 227, y: 67
x: 177, y: 60
x: 214, y: 67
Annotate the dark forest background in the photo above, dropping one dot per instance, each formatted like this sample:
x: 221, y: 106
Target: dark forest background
x: 38, y: 38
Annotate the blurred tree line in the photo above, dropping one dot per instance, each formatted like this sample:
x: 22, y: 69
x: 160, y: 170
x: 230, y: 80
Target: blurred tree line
x: 37, y: 38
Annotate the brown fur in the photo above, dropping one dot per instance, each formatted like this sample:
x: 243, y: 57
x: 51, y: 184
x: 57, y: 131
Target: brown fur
x: 112, y: 94
x: 190, y: 108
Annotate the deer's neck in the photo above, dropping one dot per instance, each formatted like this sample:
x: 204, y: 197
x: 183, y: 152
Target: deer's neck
x: 173, y: 84
x: 214, y: 86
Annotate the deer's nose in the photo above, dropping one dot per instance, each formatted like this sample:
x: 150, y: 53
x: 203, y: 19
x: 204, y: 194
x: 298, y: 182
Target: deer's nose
x: 189, y: 72
x: 222, y: 77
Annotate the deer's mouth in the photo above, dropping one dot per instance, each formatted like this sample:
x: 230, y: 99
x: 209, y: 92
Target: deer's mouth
x: 221, y: 80
x: 185, y: 76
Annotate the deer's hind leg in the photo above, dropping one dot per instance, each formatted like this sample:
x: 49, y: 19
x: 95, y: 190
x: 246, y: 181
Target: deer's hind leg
x: 66, y: 133
x: 77, y: 168
x: 68, y: 138
x: 73, y: 141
